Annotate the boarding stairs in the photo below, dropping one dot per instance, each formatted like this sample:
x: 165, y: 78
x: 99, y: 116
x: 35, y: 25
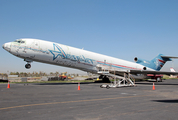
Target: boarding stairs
x: 119, y: 81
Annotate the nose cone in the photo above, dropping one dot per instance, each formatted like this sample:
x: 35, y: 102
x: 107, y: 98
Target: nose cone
x: 6, y: 46
x: 3, y: 46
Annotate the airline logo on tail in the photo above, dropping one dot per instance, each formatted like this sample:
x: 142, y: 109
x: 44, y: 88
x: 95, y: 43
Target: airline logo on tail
x: 161, y: 62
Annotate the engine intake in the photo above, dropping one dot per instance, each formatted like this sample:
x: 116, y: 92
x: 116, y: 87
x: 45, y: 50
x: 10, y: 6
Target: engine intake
x: 142, y: 62
x: 144, y: 68
x: 137, y: 60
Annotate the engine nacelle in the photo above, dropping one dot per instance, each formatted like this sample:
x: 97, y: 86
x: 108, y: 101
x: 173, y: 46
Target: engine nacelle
x: 137, y: 60
x: 144, y: 68
x: 142, y: 62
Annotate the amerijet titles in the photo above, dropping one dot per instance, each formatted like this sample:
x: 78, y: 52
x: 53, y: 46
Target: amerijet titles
x: 59, y: 52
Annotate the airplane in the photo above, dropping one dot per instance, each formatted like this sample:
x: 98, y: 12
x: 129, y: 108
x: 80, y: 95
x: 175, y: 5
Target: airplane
x: 172, y: 69
x: 62, y: 55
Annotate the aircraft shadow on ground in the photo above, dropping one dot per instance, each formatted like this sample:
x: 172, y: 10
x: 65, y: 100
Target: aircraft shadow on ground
x: 166, y: 101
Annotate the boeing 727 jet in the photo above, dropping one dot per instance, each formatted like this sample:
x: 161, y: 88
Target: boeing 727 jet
x: 57, y: 54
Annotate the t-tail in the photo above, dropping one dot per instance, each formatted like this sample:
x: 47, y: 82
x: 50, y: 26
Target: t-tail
x: 157, y: 63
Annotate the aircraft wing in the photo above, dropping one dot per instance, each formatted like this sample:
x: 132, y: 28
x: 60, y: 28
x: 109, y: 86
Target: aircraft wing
x: 121, y: 72
x: 152, y: 72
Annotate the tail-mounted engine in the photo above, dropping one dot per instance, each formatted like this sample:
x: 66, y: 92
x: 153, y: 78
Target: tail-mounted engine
x: 137, y: 60
x: 142, y: 62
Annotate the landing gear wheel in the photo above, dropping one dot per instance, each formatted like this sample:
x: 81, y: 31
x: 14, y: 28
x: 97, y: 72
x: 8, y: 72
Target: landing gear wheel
x: 107, y: 86
x: 27, y: 66
x: 158, y: 79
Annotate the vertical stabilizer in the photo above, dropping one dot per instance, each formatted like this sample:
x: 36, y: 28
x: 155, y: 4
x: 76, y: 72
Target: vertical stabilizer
x: 159, y: 61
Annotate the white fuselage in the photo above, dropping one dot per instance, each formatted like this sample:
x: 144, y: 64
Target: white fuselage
x: 62, y: 55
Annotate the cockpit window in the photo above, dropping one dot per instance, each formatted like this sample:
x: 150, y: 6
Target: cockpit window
x: 19, y: 41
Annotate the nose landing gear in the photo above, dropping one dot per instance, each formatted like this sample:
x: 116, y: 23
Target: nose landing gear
x: 28, y: 66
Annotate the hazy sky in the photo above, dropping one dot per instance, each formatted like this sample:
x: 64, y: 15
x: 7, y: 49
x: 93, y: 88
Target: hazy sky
x: 118, y: 28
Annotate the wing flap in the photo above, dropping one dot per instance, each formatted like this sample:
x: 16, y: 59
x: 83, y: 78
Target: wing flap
x: 121, y: 72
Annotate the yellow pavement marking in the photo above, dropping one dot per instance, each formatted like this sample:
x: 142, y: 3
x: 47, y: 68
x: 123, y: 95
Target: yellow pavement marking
x: 52, y: 103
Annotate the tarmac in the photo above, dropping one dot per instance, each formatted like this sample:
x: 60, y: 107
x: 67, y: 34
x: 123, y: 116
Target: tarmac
x: 52, y: 101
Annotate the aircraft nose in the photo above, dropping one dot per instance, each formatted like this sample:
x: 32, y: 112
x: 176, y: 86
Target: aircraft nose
x: 6, y: 46
x: 3, y: 46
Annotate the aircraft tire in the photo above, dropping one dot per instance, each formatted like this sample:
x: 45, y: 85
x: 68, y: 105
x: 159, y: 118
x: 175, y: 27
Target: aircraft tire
x: 158, y: 80
x: 27, y: 66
